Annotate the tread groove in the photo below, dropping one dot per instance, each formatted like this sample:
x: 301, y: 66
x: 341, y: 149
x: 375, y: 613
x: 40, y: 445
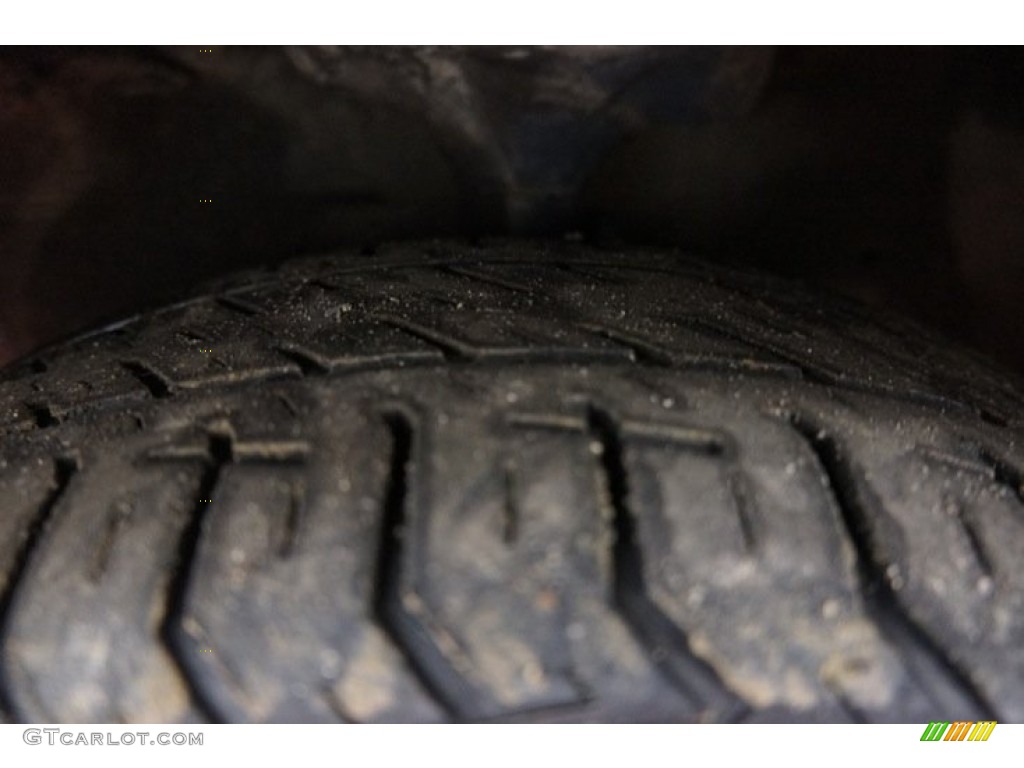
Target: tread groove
x: 814, y: 374
x: 472, y: 274
x: 643, y: 351
x: 665, y: 643
x: 310, y: 363
x: 219, y: 454
x: 116, y: 522
x: 957, y: 463
x: 510, y: 523
x: 453, y: 349
x: 848, y: 706
x: 744, y: 506
x: 1005, y: 473
x: 190, y: 336
x: 811, y: 373
x: 288, y: 404
x: 292, y: 521
x: 394, y: 608
x: 43, y: 415
x: 974, y: 542
x: 156, y: 384
x: 589, y: 271
x: 238, y: 305
x: 331, y: 700
x: 947, y: 684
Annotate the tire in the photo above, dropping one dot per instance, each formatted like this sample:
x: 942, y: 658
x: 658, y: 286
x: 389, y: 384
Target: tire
x: 512, y: 482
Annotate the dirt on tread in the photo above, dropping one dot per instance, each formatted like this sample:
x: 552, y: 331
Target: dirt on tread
x: 509, y: 481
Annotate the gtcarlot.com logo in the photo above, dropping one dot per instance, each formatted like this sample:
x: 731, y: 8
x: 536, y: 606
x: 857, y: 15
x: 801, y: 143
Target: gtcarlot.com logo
x: 55, y: 736
x: 959, y: 731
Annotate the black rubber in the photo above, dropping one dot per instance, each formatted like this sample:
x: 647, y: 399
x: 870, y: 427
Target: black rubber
x: 509, y: 481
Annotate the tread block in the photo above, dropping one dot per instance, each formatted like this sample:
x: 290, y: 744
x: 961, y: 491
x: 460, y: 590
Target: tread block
x: 276, y: 618
x: 958, y: 566
x: 208, y: 345
x: 82, y: 636
x: 517, y: 600
x: 796, y: 581
x: 27, y: 483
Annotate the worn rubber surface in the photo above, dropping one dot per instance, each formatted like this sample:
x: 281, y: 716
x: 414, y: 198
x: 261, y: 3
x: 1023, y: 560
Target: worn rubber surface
x: 509, y: 482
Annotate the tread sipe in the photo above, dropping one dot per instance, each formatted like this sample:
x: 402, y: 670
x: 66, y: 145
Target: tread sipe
x: 509, y: 482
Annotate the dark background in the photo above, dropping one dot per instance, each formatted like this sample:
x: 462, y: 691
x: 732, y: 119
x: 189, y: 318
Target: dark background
x: 893, y: 175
